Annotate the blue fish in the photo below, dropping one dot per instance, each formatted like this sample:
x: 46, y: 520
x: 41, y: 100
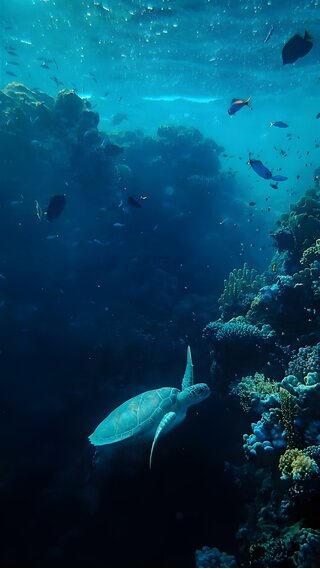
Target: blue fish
x: 264, y: 172
x: 279, y: 124
x: 237, y: 104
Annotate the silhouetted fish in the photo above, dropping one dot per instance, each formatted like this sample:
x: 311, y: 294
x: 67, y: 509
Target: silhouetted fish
x: 55, y: 208
x: 133, y: 202
x: 118, y: 118
x: 264, y: 172
x: 279, y: 124
x: 296, y: 47
x: 269, y: 34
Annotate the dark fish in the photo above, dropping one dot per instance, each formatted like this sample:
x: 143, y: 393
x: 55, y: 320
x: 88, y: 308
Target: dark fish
x: 279, y: 124
x: 318, y: 116
x: 274, y: 186
x: 252, y: 203
x: 12, y: 63
x: 93, y: 76
x: 237, y: 104
x: 44, y: 65
x: 11, y: 73
x: 296, y: 47
x: 118, y: 118
x: 112, y: 149
x: 55, y: 208
x: 269, y: 34
x: 264, y: 172
x: 47, y: 60
x: 56, y: 81
x: 279, y: 178
x: 133, y: 202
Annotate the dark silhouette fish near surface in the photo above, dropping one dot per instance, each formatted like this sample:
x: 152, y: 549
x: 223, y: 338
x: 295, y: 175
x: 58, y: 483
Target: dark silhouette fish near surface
x: 296, y: 47
x: 147, y: 212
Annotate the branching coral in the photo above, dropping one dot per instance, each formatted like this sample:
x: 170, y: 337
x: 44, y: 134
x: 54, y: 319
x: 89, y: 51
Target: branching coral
x: 288, y: 414
x: 297, y: 465
x: 255, y: 388
x: 311, y: 254
x: 239, y: 290
x: 213, y: 557
x: 306, y: 360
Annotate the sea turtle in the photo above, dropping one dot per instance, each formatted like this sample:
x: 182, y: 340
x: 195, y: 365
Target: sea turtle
x: 152, y: 412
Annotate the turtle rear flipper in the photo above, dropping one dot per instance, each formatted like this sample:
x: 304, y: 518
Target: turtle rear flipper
x: 164, y: 424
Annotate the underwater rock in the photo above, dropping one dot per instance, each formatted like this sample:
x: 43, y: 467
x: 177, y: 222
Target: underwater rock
x: 68, y: 106
x: 284, y: 240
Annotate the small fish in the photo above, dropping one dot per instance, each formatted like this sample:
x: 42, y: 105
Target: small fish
x: 296, y: 47
x: 143, y: 197
x: 118, y: 118
x: 318, y: 116
x: 274, y: 186
x: 38, y: 210
x: 269, y: 34
x: 264, y: 172
x: 12, y: 52
x: 92, y: 75
x: 56, y: 81
x: 44, y: 65
x: 237, y: 104
x: 252, y: 203
x: 51, y: 237
x: 133, y: 202
x: 117, y: 224
x: 274, y: 267
x: 12, y: 63
x: 279, y: 124
x: 11, y: 73
x: 55, y: 208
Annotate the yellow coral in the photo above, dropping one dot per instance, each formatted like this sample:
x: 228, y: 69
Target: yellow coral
x: 296, y: 464
x: 257, y: 383
x: 311, y: 254
x: 239, y: 283
x: 288, y: 412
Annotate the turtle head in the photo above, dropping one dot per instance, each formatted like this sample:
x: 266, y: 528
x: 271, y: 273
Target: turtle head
x: 194, y: 394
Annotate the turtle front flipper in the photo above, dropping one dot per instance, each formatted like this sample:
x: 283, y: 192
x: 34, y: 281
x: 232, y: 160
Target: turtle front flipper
x: 188, y: 378
x: 164, y: 424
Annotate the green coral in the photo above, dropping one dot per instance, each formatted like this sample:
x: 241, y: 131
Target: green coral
x: 250, y: 385
x: 288, y: 413
x: 239, y: 290
x: 297, y: 465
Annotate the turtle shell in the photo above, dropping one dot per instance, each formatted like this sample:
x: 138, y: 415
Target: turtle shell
x: 135, y: 416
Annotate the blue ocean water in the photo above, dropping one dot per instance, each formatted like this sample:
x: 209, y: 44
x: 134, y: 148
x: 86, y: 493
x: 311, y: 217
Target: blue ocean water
x: 163, y: 242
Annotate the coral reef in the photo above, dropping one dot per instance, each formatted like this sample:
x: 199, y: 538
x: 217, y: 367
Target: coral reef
x: 237, y: 347
x: 256, y: 392
x: 281, y: 392
x: 212, y: 557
